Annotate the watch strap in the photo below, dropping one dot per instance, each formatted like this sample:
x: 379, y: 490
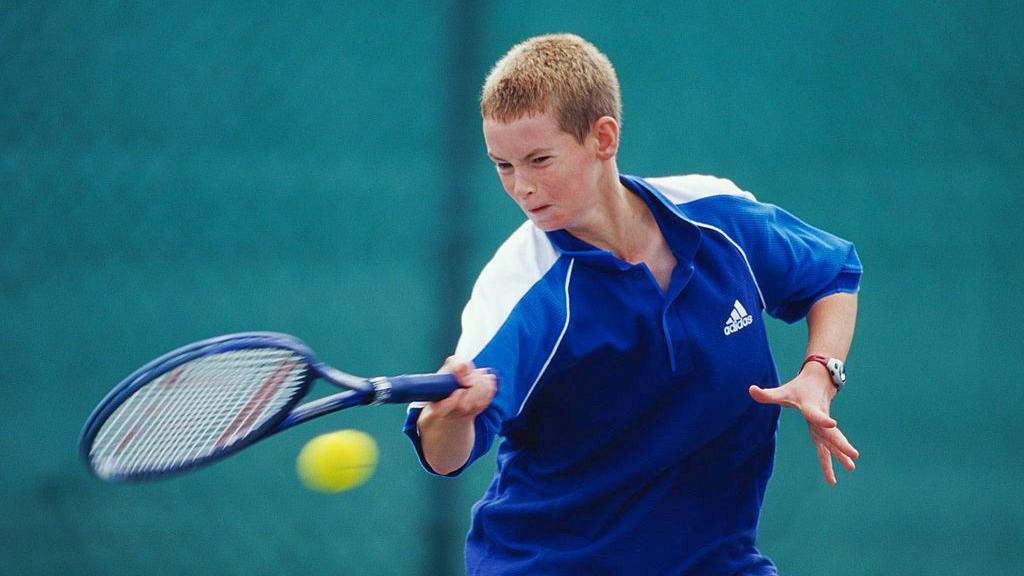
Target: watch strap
x: 833, y: 365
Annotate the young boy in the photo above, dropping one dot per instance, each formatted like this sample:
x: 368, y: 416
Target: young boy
x: 635, y: 391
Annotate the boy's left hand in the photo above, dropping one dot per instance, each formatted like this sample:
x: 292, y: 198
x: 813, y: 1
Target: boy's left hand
x: 811, y: 393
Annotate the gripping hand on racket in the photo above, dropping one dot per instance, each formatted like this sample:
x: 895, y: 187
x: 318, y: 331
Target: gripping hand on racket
x: 446, y: 427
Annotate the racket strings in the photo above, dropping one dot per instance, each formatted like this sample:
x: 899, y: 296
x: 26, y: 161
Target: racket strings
x: 196, y: 409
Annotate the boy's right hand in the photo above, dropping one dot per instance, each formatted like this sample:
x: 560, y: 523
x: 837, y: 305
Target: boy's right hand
x: 478, y: 387
x: 447, y: 429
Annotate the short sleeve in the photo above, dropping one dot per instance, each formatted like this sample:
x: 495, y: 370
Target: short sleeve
x: 794, y: 263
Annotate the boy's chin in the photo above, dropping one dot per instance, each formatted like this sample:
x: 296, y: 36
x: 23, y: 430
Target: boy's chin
x: 545, y: 224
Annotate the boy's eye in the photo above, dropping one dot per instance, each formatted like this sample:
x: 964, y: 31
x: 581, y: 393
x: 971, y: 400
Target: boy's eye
x: 503, y: 165
x: 541, y: 159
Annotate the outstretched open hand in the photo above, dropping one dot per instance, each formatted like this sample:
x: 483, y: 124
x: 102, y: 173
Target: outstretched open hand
x: 811, y: 393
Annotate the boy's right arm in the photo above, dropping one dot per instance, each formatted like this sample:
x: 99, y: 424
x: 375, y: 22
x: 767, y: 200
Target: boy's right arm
x: 447, y: 427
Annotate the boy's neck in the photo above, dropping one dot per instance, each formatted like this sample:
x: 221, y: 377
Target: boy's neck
x: 621, y: 223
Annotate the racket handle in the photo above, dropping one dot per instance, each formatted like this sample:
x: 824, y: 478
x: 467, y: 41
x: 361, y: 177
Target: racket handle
x: 413, y: 388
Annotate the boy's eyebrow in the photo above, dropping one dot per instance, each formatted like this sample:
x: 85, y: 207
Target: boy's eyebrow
x: 532, y: 153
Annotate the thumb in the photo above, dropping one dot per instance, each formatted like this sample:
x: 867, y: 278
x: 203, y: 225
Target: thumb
x: 768, y: 395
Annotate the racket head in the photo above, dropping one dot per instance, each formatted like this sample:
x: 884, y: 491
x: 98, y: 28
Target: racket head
x: 197, y: 404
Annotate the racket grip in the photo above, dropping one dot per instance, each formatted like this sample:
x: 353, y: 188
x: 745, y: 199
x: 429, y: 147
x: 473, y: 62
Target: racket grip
x: 413, y: 388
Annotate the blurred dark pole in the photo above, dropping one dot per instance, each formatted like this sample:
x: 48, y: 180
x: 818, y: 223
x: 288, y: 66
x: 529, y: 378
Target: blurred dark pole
x: 460, y: 120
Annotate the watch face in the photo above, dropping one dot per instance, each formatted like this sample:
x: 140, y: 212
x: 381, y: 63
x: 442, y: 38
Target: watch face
x: 838, y: 371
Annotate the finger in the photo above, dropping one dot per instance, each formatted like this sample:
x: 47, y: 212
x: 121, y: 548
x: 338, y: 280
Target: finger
x: 829, y: 439
x: 446, y: 366
x: 817, y: 417
x: 447, y: 406
x: 471, y: 405
x: 825, y: 459
x: 482, y: 385
x: 480, y: 389
x: 462, y: 372
x: 838, y: 440
x: 452, y: 363
x: 845, y: 460
x: 770, y: 396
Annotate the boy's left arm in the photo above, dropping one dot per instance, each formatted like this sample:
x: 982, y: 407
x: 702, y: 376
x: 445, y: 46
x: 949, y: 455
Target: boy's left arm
x: 830, y: 324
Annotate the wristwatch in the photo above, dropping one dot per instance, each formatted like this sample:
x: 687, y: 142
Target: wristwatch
x: 835, y: 368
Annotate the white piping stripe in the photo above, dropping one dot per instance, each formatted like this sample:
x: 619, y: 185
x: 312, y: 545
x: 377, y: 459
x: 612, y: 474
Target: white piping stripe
x: 742, y: 253
x: 558, y: 342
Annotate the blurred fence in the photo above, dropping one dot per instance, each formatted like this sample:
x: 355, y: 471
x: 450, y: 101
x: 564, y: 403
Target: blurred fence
x: 169, y: 173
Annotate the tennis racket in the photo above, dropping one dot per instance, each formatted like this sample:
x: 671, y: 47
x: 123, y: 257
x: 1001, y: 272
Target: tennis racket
x: 210, y: 399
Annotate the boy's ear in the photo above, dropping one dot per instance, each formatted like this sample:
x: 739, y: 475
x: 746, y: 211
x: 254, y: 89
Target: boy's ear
x: 605, y: 131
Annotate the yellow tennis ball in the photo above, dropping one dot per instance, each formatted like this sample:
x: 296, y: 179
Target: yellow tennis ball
x: 337, y: 461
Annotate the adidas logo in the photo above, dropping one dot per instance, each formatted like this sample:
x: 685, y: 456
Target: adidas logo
x: 738, y: 319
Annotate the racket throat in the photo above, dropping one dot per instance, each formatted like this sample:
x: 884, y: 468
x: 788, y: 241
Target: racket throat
x: 381, y: 391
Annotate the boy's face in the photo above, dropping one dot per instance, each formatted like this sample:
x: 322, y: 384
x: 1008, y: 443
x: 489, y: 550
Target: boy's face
x: 552, y: 177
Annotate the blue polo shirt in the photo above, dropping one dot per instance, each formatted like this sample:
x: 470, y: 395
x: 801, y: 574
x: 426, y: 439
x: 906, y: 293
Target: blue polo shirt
x: 630, y: 443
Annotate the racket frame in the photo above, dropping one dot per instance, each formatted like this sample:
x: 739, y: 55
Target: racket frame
x: 357, y: 391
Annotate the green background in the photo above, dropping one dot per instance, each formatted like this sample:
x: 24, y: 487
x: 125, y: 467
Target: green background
x: 169, y: 172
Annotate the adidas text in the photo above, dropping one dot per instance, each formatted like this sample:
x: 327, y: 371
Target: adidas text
x: 734, y: 326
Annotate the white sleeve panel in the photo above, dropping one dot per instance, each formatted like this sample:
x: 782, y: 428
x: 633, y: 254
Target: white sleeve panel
x: 518, y: 264
x: 683, y: 189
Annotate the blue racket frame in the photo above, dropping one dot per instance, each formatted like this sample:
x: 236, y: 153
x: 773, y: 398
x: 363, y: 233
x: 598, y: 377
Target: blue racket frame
x: 358, y: 391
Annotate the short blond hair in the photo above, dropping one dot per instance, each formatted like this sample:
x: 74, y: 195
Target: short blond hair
x: 561, y: 73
